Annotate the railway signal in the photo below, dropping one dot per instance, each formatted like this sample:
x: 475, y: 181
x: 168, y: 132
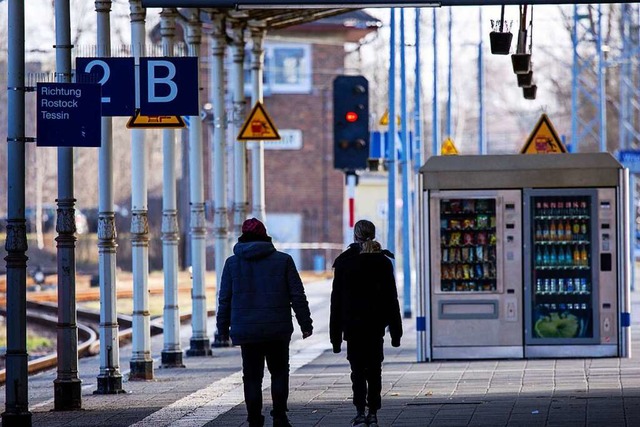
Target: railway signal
x: 350, y: 122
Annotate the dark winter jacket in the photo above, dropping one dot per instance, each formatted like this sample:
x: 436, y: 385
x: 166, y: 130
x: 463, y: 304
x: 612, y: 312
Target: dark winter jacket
x: 259, y: 286
x: 364, y: 298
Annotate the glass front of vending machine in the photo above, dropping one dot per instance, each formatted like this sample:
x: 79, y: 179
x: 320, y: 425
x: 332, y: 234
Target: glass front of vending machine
x: 476, y: 287
x: 570, y: 284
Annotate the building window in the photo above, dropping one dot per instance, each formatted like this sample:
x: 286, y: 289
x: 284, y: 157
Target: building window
x: 287, y: 68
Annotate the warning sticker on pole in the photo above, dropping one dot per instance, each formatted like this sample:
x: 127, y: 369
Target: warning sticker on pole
x: 258, y: 126
x: 544, y: 139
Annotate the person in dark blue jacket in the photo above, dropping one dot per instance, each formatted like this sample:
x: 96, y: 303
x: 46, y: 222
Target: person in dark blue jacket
x: 258, y: 289
x: 364, y: 302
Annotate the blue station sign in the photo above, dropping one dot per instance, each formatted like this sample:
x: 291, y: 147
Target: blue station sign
x: 116, y: 76
x: 69, y: 115
x: 630, y: 159
x: 169, y: 86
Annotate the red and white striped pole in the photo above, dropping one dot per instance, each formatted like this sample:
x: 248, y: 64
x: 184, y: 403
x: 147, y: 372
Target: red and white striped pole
x: 351, y: 193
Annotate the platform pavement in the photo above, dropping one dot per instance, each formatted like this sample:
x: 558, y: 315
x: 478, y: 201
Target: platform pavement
x: 208, y: 391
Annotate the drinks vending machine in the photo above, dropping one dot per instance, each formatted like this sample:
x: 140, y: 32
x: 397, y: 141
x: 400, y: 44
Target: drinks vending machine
x: 524, y: 256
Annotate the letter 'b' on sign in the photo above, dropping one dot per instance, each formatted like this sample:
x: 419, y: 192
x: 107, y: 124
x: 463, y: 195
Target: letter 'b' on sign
x: 156, y: 70
x: 169, y: 86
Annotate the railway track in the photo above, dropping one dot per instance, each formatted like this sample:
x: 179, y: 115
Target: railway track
x: 88, y: 321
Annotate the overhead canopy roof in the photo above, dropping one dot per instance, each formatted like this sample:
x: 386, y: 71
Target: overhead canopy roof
x: 271, y: 18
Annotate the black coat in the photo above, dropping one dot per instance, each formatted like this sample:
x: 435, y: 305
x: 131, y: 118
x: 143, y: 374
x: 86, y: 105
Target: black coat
x: 364, y: 298
x: 258, y: 289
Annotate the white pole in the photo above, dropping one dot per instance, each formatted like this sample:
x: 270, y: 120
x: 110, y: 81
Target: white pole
x: 220, y: 216
x: 141, y: 363
x: 240, y: 147
x: 257, y: 147
x: 196, y: 197
x: 109, y: 380
x: 171, y: 355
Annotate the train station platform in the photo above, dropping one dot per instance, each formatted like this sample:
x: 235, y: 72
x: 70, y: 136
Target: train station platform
x: 208, y: 390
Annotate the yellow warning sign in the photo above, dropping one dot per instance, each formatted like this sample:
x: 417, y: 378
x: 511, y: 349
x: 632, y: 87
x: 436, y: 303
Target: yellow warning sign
x: 384, y: 120
x: 138, y: 121
x: 258, y: 126
x: 448, y: 148
x: 544, y: 139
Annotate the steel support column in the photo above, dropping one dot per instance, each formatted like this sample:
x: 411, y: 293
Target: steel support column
x: 196, y: 198
x: 240, y: 202
x: 109, y: 380
x: 66, y: 386
x: 16, y: 411
x: 588, y: 103
x: 141, y: 363
x: 200, y: 344
x: 171, y: 355
x: 258, y: 209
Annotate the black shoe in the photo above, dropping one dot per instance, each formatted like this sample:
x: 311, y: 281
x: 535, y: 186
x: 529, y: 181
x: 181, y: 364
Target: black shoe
x: 372, y: 419
x: 359, y: 421
x: 256, y: 422
x: 282, y: 421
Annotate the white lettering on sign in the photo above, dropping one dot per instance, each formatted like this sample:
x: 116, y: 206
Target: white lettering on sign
x: 153, y: 80
x: 106, y: 73
x: 54, y: 116
x: 290, y: 139
x: 58, y: 92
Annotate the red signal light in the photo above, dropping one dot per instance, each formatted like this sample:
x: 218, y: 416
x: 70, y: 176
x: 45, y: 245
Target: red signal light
x: 351, y: 116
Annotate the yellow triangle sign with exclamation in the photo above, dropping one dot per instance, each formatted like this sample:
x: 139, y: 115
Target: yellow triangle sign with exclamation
x: 258, y: 126
x: 544, y: 139
x: 448, y: 148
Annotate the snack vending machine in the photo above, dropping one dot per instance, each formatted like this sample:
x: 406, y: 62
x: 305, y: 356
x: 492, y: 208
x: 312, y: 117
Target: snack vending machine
x: 477, y: 310
x: 523, y: 256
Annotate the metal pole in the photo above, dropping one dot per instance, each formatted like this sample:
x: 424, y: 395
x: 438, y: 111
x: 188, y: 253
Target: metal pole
x: 417, y: 121
x: 67, y: 385
x: 197, y: 221
x: 141, y: 363
x: 109, y: 380
x: 240, y: 147
x: 574, y: 84
x: 404, y: 162
x: 391, y: 143
x: 16, y: 411
x: 602, y: 105
x: 220, y: 218
x: 171, y: 355
x: 482, y: 139
x: 257, y: 147
x: 449, y: 75
x: 436, y: 117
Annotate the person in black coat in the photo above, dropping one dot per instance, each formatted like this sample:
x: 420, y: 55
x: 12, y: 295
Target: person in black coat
x: 364, y: 302
x: 258, y: 289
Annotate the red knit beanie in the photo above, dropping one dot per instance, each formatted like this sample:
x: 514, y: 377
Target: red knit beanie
x: 255, y: 227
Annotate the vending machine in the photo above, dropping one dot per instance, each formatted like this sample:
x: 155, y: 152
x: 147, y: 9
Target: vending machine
x: 571, y: 304
x: 477, y: 252
x: 523, y: 256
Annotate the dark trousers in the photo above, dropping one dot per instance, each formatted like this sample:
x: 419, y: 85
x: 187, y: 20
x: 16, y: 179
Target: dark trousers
x: 276, y: 354
x: 365, y: 357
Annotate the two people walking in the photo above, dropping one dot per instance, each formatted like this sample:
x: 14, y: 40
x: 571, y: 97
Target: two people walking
x: 260, y: 286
